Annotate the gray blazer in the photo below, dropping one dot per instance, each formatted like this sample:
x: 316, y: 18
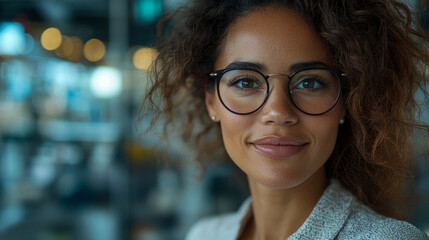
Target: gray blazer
x: 337, y: 215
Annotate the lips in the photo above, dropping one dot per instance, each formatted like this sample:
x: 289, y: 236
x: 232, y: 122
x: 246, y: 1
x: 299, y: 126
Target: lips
x: 278, y: 147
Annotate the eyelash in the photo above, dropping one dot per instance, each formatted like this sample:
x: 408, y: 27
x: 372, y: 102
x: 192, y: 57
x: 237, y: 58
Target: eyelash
x: 317, y: 79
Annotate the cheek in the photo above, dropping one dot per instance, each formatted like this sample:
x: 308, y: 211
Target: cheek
x: 235, y: 129
x: 324, y: 133
x: 327, y: 138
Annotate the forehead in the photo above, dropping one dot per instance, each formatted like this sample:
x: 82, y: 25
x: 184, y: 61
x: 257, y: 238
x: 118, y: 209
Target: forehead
x: 271, y: 35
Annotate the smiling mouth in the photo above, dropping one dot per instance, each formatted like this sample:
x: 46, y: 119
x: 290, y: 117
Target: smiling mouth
x: 278, y: 147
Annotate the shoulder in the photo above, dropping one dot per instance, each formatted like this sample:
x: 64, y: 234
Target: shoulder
x: 225, y: 226
x: 213, y: 227
x: 339, y: 215
x: 364, y: 223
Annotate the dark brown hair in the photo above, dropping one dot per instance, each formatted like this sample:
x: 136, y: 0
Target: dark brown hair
x: 374, y: 41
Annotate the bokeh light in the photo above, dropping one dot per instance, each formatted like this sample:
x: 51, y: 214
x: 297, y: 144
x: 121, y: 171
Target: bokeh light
x: 12, y: 38
x: 51, y: 38
x: 29, y: 40
x: 76, y: 54
x: 71, y: 49
x: 144, y: 57
x: 65, y: 47
x: 106, y: 82
x: 94, y: 50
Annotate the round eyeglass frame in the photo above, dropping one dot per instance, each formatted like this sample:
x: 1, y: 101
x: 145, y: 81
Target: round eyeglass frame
x: 217, y: 75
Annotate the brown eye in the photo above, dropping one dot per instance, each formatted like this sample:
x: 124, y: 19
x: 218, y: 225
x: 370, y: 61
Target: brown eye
x: 308, y: 84
x: 245, y: 83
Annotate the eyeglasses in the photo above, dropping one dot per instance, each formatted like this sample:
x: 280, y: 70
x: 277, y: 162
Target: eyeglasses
x: 313, y: 91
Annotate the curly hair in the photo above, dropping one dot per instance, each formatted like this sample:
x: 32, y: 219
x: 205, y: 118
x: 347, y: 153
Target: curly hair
x: 375, y: 42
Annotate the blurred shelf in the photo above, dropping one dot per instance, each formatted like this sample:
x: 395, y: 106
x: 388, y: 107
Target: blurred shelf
x: 66, y: 131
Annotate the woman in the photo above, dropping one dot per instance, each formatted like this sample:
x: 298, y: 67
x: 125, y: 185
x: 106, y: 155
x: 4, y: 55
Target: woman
x: 313, y: 100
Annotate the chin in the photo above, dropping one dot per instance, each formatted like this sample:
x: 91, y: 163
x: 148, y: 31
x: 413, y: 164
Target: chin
x: 279, y: 180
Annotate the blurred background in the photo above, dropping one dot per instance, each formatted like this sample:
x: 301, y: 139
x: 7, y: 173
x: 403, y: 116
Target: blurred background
x: 72, y: 165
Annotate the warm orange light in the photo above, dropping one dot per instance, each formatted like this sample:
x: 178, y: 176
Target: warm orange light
x: 144, y: 57
x: 51, y: 38
x: 75, y: 55
x: 94, y: 50
x: 64, y: 49
x: 71, y: 49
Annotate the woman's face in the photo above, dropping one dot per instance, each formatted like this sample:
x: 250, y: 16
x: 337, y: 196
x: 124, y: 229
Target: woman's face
x: 277, y: 146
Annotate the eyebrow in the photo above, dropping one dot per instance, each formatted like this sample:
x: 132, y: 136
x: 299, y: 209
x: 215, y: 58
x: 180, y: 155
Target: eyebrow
x: 302, y: 65
x: 251, y: 65
x: 261, y: 67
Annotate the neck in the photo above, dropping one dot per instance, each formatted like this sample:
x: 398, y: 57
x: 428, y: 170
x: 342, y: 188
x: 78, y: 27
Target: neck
x: 278, y: 213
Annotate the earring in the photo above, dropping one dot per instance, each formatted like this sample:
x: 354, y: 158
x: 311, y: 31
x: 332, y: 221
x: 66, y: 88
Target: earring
x: 213, y: 118
x: 341, y: 121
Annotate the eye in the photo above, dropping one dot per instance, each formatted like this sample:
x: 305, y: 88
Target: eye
x: 245, y: 83
x: 310, y: 83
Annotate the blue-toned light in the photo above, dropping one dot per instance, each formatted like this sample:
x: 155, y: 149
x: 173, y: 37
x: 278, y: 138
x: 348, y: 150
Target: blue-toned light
x: 106, y: 82
x: 17, y: 76
x: 12, y: 38
x: 148, y: 11
x: 29, y: 42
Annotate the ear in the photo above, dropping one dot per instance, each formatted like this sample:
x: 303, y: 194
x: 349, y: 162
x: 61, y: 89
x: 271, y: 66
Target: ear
x: 210, y: 99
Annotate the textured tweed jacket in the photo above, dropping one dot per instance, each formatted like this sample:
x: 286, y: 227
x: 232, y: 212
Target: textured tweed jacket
x: 337, y: 215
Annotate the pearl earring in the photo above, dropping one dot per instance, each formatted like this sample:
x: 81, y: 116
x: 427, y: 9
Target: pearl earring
x: 341, y: 121
x: 213, y: 118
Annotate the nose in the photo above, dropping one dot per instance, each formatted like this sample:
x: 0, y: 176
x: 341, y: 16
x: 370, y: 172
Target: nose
x: 278, y: 110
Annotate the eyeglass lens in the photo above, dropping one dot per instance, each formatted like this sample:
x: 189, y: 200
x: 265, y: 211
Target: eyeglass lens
x: 312, y: 91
